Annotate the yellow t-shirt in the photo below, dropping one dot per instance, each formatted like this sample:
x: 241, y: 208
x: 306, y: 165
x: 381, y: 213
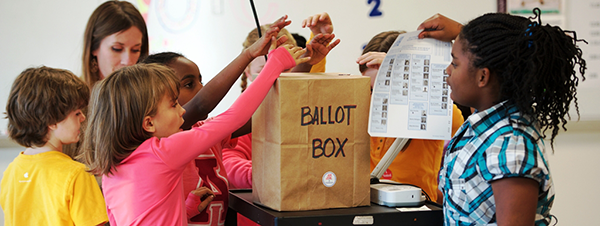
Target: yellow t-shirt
x: 50, y: 189
x: 418, y: 163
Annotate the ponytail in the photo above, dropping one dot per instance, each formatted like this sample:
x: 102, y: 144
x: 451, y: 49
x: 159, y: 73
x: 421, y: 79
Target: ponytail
x: 534, y: 63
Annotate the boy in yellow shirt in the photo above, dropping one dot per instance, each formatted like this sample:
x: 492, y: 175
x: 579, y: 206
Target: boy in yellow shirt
x: 44, y: 186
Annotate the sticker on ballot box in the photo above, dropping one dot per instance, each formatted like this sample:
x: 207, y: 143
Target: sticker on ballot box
x: 329, y: 179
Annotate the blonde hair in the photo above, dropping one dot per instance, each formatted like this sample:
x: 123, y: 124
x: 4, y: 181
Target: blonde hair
x: 117, y: 109
x: 253, y: 37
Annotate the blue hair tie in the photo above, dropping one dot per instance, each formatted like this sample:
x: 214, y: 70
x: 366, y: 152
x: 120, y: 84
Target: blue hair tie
x: 528, y: 32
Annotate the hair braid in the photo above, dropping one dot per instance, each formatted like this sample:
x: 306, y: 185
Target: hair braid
x: 534, y: 63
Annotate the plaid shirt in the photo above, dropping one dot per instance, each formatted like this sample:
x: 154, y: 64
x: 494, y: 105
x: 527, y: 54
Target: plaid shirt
x: 491, y: 145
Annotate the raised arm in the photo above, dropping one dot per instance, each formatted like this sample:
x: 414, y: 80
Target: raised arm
x: 280, y: 59
x: 214, y: 91
x: 185, y: 146
x: 319, y: 23
x: 440, y: 27
x: 321, y: 42
x: 317, y: 49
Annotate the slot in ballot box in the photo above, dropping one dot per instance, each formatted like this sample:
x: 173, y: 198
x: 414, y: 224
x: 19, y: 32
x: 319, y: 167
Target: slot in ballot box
x: 240, y: 201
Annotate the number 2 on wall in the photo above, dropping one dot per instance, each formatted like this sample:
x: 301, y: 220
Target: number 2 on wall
x: 375, y: 11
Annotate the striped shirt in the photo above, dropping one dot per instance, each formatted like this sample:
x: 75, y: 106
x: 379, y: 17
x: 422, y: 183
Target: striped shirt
x: 493, y: 144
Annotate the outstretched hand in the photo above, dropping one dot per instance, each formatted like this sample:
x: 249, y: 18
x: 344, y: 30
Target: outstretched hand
x: 261, y: 46
x: 319, y: 47
x: 295, y: 51
x: 440, y: 27
x: 319, y: 24
x: 372, y: 59
x: 206, y: 195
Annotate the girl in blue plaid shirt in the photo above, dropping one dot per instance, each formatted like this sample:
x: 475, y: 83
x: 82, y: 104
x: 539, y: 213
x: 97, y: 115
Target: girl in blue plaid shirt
x: 520, y: 76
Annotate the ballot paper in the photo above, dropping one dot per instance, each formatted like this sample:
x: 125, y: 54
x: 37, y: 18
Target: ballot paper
x: 414, y: 209
x: 411, y: 96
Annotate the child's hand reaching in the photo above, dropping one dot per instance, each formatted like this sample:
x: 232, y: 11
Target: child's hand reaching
x: 371, y: 59
x: 206, y: 195
x: 319, y: 24
x: 295, y: 51
x: 319, y: 47
x: 261, y: 46
x: 440, y: 27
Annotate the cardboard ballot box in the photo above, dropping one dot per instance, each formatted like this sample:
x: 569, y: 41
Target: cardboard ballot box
x: 310, y: 146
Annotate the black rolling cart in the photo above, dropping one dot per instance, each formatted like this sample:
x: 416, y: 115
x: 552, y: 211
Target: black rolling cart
x: 240, y: 201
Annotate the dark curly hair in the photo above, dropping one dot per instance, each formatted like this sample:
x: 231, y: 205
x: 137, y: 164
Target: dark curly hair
x: 163, y: 58
x: 535, y: 64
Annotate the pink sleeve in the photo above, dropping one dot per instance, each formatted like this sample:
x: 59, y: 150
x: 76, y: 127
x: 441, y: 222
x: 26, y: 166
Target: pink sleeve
x: 191, y: 205
x: 238, y: 162
x: 180, y: 148
x: 227, y: 141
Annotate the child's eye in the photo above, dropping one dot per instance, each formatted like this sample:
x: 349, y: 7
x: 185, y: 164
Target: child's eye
x: 453, y: 64
x: 188, y: 85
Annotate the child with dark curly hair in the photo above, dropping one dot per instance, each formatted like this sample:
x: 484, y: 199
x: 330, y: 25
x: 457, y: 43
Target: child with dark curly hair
x: 520, y: 77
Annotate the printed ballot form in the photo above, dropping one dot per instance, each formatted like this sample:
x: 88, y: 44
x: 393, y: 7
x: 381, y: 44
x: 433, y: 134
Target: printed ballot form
x: 411, y: 96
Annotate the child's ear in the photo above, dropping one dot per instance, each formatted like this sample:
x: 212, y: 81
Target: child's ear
x: 52, y: 127
x: 483, y: 77
x: 148, y: 125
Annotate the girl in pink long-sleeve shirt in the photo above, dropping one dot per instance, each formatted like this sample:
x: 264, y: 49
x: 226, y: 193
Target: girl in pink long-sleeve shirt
x: 133, y: 137
x: 206, y: 173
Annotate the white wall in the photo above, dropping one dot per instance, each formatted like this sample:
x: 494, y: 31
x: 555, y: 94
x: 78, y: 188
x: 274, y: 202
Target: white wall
x: 575, y: 173
x: 216, y: 35
x: 36, y: 32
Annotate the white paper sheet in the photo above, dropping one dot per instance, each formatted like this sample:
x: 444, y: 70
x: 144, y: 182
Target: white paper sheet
x: 411, y: 98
